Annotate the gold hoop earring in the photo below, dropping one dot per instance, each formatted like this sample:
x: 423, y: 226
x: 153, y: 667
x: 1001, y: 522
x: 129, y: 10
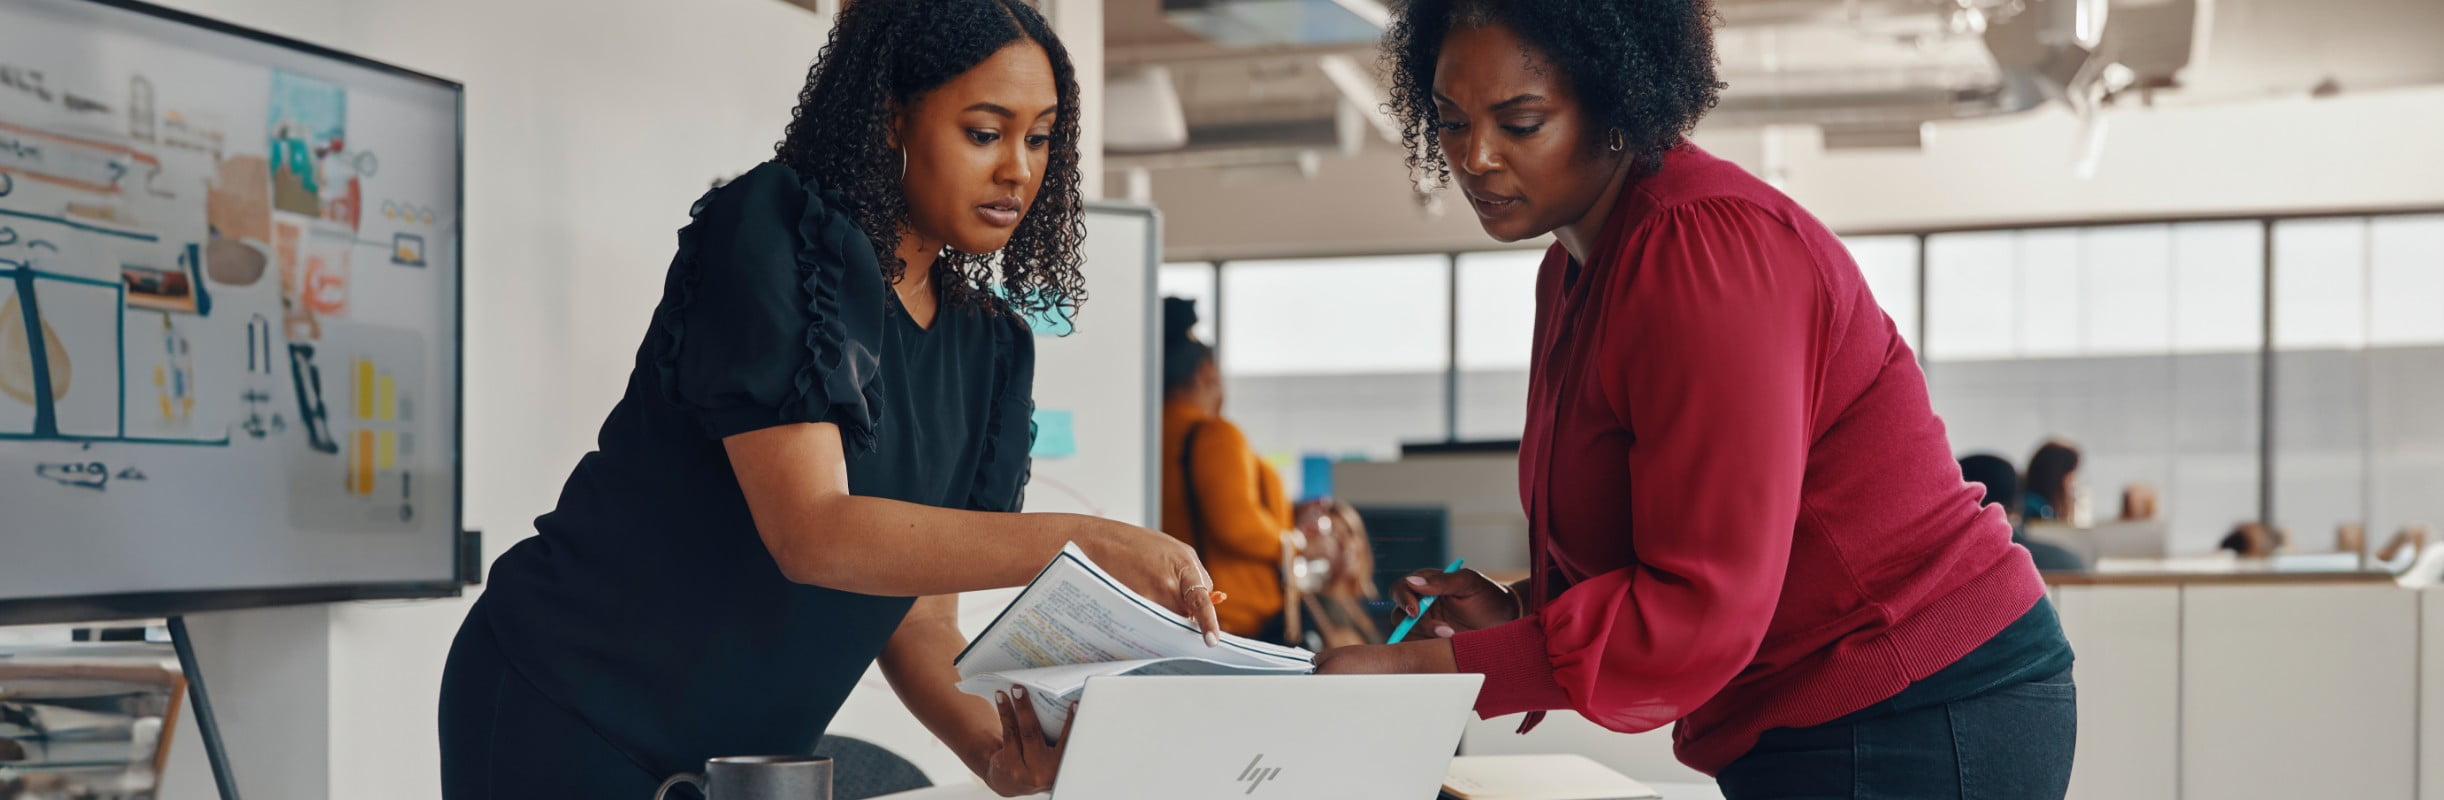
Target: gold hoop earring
x: 1614, y: 140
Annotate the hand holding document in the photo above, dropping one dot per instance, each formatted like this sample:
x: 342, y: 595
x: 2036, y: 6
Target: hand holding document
x: 1074, y: 622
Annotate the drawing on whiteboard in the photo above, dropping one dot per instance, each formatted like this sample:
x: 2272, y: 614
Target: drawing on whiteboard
x: 197, y: 132
x: 407, y: 249
x: 18, y: 364
x: 372, y: 424
x: 24, y: 80
x: 80, y: 474
x: 174, y: 375
x: 307, y: 379
x: 324, y: 281
x: 256, y: 425
x: 258, y: 346
x: 308, y: 122
x: 238, y: 214
x: 168, y: 288
x: 406, y: 213
x: 131, y: 474
x: 140, y: 108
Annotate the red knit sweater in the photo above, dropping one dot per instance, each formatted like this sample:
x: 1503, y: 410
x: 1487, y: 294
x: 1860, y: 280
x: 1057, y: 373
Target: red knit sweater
x: 1742, y: 510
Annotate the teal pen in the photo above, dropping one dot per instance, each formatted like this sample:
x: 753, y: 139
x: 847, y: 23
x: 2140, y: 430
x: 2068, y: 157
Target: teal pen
x: 1422, y: 605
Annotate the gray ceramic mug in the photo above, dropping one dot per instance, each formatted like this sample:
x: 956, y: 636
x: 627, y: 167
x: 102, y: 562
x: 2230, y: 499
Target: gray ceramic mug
x: 759, y: 778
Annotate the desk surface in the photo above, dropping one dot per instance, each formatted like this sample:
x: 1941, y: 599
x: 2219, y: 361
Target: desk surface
x: 2217, y: 570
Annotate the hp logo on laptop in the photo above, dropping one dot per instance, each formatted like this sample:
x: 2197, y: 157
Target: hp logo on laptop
x: 1255, y: 776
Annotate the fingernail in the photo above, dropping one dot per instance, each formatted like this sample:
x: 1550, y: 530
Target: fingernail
x: 1001, y: 697
x: 1212, y: 639
x: 1417, y: 580
x: 1020, y: 693
x: 1444, y: 631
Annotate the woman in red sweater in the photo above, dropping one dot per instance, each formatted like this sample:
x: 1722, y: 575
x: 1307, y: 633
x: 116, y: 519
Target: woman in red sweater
x: 1743, y: 514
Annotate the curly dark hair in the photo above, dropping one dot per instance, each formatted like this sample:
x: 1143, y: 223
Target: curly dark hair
x: 885, y: 55
x: 1643, y: 67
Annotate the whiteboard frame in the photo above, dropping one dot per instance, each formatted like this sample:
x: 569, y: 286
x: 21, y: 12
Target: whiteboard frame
x: 137, y: 605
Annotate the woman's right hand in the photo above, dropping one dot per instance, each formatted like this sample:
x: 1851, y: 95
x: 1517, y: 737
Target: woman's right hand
x: 1163, y: 569
x: 1470, y: 601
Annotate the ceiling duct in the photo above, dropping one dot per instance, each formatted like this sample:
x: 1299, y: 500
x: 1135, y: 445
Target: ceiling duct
x: 1290, y: 140
x: 1142, y: 111
x: 1255, y: 23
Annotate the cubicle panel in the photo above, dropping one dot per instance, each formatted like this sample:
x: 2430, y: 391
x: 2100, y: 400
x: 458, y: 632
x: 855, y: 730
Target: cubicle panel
x: 2291, y: 693
x: 1480, y: 491
x: 2129, y: 643
x: 2431, y: 694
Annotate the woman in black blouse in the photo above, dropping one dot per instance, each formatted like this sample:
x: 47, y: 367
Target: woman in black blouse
x: 826, y: 426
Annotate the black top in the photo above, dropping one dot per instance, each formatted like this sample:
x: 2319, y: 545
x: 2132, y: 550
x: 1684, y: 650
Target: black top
x: 2030, y: 648
x: 647, y: 603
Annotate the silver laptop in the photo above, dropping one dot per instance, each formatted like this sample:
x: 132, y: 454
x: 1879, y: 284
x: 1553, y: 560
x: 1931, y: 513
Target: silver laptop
x: 1342, y: 737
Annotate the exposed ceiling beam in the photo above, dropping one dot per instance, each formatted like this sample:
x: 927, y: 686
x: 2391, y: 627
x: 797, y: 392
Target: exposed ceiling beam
x: 820, y: 7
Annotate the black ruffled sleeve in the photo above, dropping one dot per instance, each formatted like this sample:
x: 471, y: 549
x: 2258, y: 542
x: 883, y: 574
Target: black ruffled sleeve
x: 772, y: 312
x: 1001, y: 476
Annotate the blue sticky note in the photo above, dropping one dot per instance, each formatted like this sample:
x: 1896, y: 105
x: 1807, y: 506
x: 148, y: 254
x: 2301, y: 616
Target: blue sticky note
x: 1315, y: 476
x: 1055, y: 435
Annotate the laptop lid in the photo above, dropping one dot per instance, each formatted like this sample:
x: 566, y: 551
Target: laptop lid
x: 1347, y: 737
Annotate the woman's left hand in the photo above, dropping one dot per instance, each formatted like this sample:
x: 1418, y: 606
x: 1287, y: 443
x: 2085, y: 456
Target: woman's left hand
x: 1421, y: 656
x: 1023, y: 763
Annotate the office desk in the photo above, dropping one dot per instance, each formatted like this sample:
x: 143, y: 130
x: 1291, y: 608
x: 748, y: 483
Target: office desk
x: 972, y: 791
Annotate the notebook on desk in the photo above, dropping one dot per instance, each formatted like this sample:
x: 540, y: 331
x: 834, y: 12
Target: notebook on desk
x: 1539, y: 777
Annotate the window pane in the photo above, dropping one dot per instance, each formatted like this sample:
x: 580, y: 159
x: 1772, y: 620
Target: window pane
x: 1497, y: 318
x: 2320, y: 284
x: 1497, y: 308
x: 1338, y: 357
x: 1972, y: 296
x: 2406, y: 281
x: 2406, y: 374
x: 1193, y: 280
x: 2129, y: 290
x: 1337, y: 316
x: 1890, y: 265
x: 2218, y: 287
x: 2320, y: 414
x: 2050, y: 274
x: 2068, y: 333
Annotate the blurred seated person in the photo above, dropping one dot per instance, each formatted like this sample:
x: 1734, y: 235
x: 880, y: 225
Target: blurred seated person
x: 2254, y: 540
x: 1331, y: 576
x: 2402, y: 550
x: 2139, y: 502
x: 2351, y: 537
x: 1217, y: 494
x: 2051, y: 490
x: 2002, y: 484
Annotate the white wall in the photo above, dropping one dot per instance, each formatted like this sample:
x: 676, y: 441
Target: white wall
x: 591, y: 127
x: 2359, y: 151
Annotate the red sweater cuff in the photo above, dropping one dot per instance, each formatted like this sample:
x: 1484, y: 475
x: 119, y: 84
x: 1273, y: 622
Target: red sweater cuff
x: 1518, y: 673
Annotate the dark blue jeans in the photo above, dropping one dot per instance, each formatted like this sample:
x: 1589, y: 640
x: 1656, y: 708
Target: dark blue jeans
x: 2013, y: 743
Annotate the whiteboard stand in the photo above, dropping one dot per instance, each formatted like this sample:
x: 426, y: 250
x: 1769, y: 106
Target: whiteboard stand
x: 205, y: 725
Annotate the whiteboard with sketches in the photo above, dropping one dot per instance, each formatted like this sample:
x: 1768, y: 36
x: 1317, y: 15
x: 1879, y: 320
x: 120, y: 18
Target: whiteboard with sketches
x: 229, y: 309
x: 1100, y: 381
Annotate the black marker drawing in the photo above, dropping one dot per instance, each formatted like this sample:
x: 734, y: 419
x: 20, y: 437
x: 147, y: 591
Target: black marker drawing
x: 83, y: 475
x: 310, y: 408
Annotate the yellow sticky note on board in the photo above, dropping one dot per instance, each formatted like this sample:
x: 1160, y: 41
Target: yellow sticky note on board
x: 364, y: 389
